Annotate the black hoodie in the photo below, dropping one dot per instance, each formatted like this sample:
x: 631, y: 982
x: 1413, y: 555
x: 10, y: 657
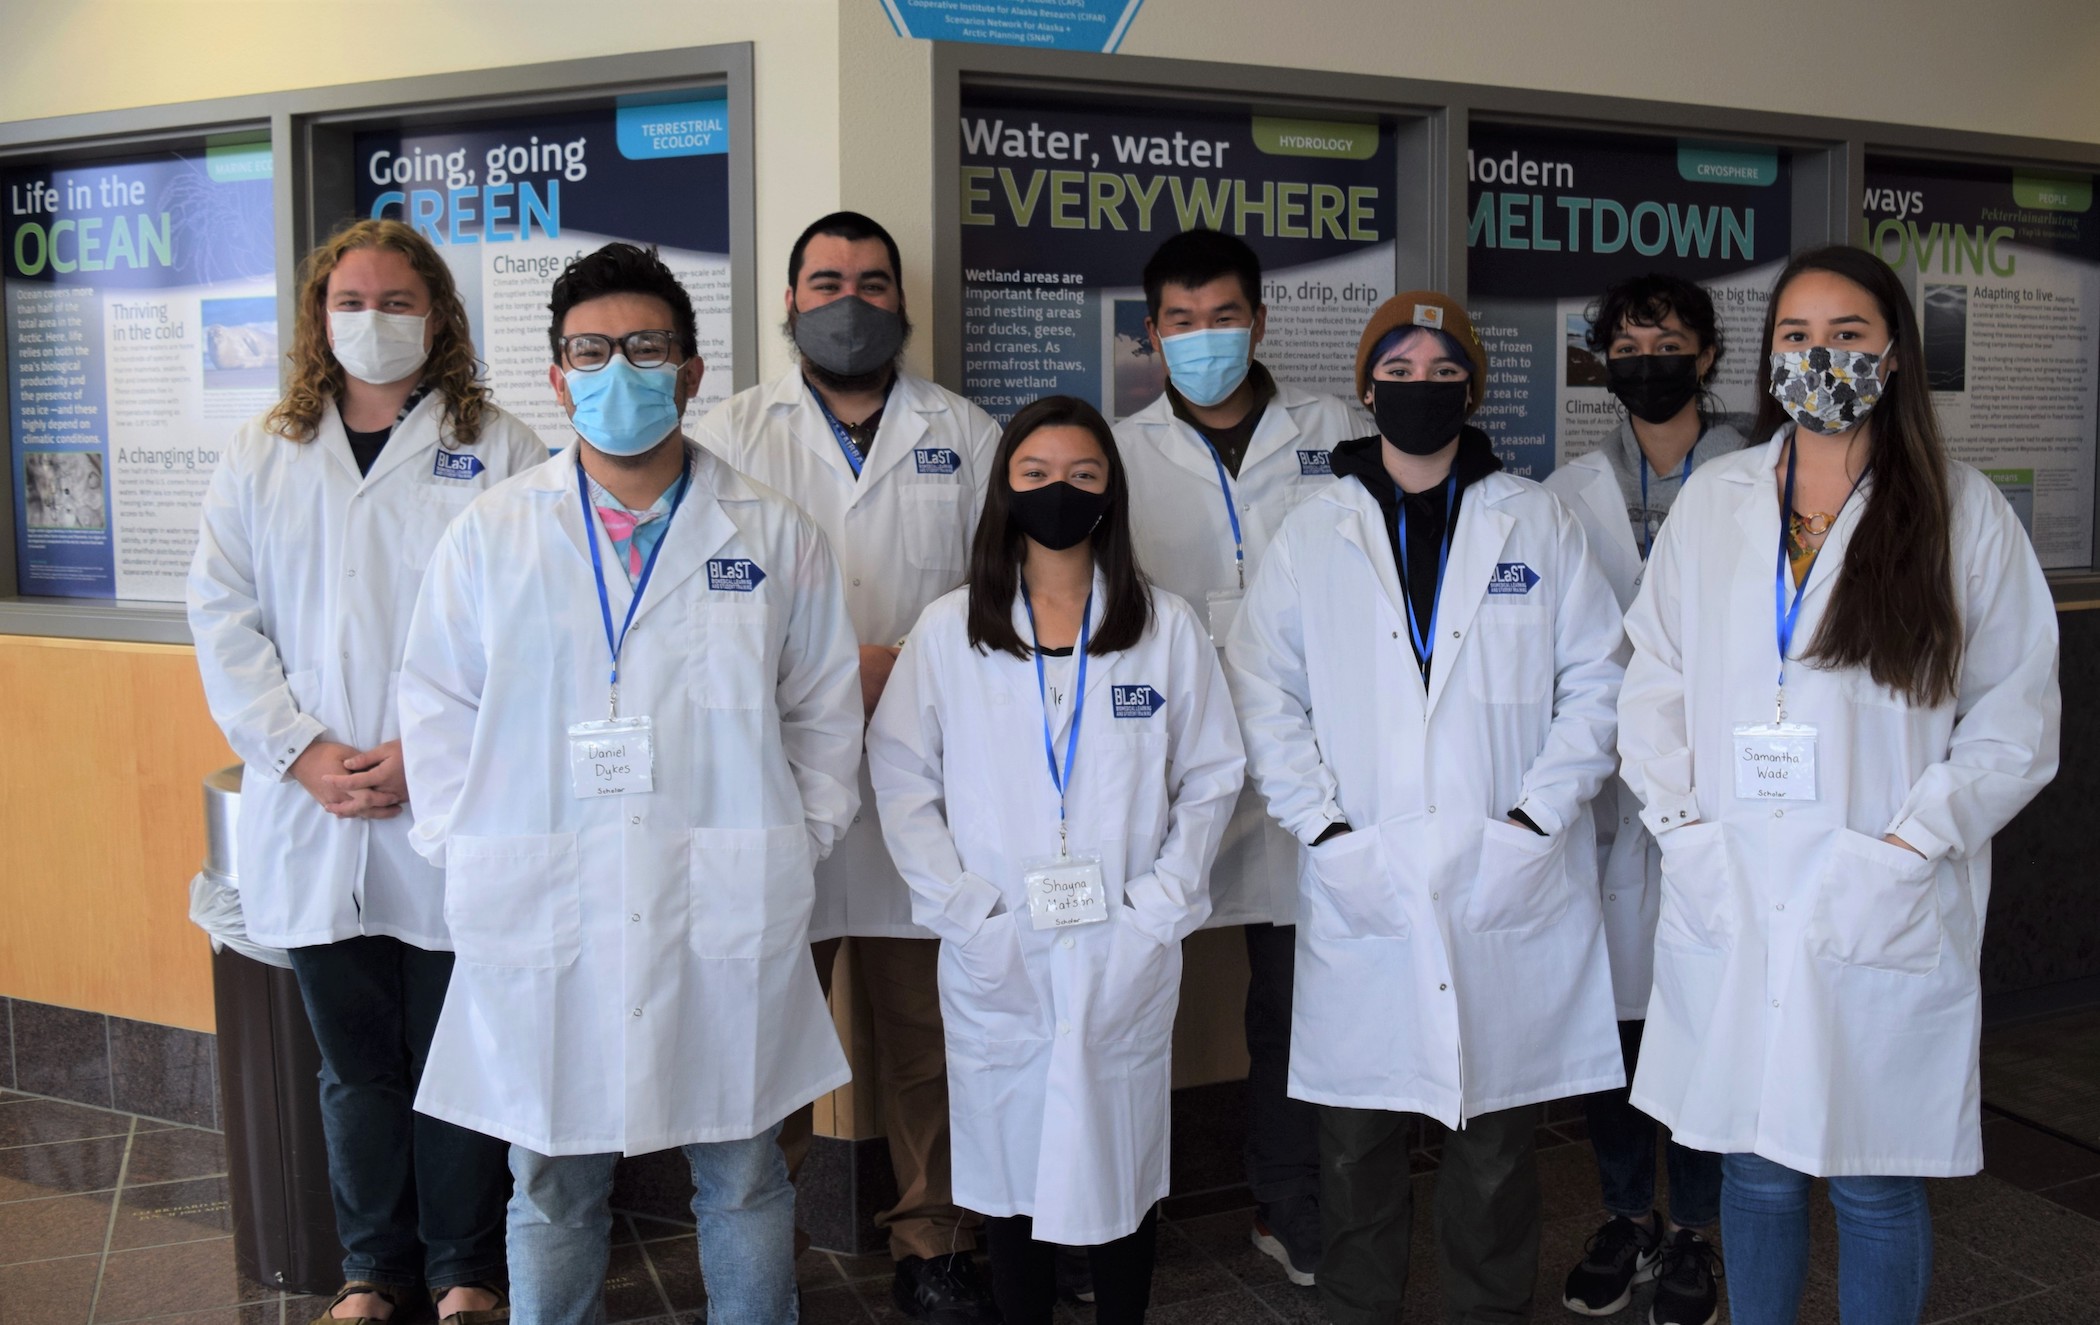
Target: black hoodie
x: 1362, y: 460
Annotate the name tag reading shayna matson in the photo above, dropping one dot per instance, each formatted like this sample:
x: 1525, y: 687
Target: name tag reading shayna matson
x: 1136, y: 701
x: 453, y: 464
x: 734, y: 575
x: 1512, y: 577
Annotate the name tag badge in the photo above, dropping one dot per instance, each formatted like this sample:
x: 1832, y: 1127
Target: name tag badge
x: 1066, y: 890
x: 616, y: 757
x: 1775, y: 761
x: 1223, y: 608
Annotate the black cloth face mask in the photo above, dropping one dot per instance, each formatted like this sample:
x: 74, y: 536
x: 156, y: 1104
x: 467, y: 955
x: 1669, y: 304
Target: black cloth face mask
x: 1420, y: 418
x: 1653, y: 387
x: 1057, y: 515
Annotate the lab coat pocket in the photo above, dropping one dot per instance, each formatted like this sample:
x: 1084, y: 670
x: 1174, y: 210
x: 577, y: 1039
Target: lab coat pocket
x: 751, y: 890
x: 933, y: 526
x: 1349, y: 893
x: 1520, y: 883
x: 990, y: 998
x: 514, y: 901
x: 1139, y: 989
x: 1512, y: 653
x: 1876, y: 905
x: 1698, y: 887
x: 436, y: 505
x: 732, y: 660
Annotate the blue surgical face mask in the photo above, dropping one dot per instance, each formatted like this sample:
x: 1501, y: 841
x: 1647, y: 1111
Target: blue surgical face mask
x: 622, y: 409
x: 1207, y: 366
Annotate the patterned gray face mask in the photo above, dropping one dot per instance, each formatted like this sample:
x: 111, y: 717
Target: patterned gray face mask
x: 1824, y: 390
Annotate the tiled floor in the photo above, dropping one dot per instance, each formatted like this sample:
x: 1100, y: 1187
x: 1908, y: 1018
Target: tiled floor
x: 112, y: 1217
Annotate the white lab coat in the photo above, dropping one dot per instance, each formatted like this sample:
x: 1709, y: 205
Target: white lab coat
x: 1449, y: 962
x: 1816, y: 991
x: 633, y: 971
x: 901, y: 532
x: 299, y: 598
x: 1058, y: 1040
x: 1629, y: 866
x: 1184, y: 543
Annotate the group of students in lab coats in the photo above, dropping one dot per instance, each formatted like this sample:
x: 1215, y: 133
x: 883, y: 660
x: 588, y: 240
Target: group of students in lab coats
x: 560, y: 771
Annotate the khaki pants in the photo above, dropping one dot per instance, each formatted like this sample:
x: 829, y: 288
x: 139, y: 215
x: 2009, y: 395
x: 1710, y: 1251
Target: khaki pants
x: 1487, y: 1215
x: 912, y: 1076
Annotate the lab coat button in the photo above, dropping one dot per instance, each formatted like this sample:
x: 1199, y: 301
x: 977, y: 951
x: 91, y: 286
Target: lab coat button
x: 1454, y: 634
x: 637, y: 1012
x: 1443, y: 986
x: 1779, y: 814
x: 1067, y: 940
x: 1611, y: 897
x: 1064, y: 1028
x: 634, y: 818
x: 1436, y: 897
x: 635, y: 916
x: 1779, y: 906
x: 856, y: 583
x: 351, y: 573
x: 1432, y: 809
x: 856, y: 818
x: 1775, y: 1002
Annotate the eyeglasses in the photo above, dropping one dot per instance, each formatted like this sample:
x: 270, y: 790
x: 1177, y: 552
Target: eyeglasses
x: 588, y: 352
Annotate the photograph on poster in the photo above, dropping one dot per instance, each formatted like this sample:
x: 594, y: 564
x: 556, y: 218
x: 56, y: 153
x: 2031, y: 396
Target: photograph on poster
x: 1554, y: 216
x: 140, y: 298
x: 2005, y: 267
x: 1064, y: 199
x: 509, y: 202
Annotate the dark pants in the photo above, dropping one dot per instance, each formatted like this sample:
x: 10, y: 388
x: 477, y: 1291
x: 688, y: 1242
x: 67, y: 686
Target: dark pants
x: 1024, y: 1272
x: 1487, y: 1215
x: 417, y: 1201
x: 1283, y: 1134
x: 1624, y: 1140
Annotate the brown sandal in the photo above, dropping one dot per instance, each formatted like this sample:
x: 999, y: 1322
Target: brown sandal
x: 352, y: 1289
x: 495, y: 1315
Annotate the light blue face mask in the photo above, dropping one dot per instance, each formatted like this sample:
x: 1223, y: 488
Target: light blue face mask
x: 1207, y: 366
x: 622, y: 409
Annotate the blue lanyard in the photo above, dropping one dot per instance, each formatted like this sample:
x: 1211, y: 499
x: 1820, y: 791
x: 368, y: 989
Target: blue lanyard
x: 1647, y: 530
x: 1425, y: 642
x: 1788, y: 614
x: 1239, y: 547
x: 641, y: 586
x: 1042, y: 689
x: 838, y: 430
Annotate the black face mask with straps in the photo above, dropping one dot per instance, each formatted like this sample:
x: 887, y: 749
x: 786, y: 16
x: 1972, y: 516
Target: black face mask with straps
x: 1056, y: 515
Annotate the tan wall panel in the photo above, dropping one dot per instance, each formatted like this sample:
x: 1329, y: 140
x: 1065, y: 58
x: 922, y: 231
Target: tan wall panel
x: 102, y: 812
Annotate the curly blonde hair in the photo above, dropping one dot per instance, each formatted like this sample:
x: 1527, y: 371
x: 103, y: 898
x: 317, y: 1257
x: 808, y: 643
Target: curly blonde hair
x: 317, y: 378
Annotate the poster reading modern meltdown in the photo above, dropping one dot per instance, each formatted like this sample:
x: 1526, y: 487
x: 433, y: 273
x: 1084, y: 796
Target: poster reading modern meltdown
x: 2005, y: 268
x: 1555, y: 217
x: 510, y: 202
x: 1063, y: 201
x: 141, y: 331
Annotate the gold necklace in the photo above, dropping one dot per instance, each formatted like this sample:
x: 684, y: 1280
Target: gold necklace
x: 1814, y: 523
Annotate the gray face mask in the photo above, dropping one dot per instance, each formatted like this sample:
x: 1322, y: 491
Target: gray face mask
x: 849, y: 336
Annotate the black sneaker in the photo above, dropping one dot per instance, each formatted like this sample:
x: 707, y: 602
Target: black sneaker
x: 1288, y: 1232
x: 1619, y: 1255
x: 943, y: 1290
x: 1075, y: 1275
x: 1685, y: 1291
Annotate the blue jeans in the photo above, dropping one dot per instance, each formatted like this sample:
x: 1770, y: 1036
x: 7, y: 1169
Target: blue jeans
x: 1624, y: 1141
x: 1884, y: 1244
x: 417, y: 1200
x: 561, y: 1233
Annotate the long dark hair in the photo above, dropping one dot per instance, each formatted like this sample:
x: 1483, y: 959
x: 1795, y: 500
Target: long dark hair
x: 996, y: 556
x: 1892, y: 609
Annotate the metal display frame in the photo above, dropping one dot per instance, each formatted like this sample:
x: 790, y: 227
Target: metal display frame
x: 309, y: 131
x: 1434, y: 121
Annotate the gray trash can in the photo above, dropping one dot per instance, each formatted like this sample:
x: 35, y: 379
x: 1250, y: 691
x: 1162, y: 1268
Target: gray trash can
x: 269, y: 1066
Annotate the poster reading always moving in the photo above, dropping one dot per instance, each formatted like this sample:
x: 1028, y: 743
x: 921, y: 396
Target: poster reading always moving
x: 510, y: 202
x: 1063, y: 201
x: 1554, y: 217
x: 2005, y: 268
x: 141, y: 330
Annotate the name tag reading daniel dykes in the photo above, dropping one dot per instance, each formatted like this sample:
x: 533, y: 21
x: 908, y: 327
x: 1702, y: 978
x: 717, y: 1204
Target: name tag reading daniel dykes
x: 1775, y: 761
x: 616, y: 757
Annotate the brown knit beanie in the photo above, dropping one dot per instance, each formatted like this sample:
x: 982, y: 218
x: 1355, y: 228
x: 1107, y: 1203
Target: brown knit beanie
x: 1423, y: 308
